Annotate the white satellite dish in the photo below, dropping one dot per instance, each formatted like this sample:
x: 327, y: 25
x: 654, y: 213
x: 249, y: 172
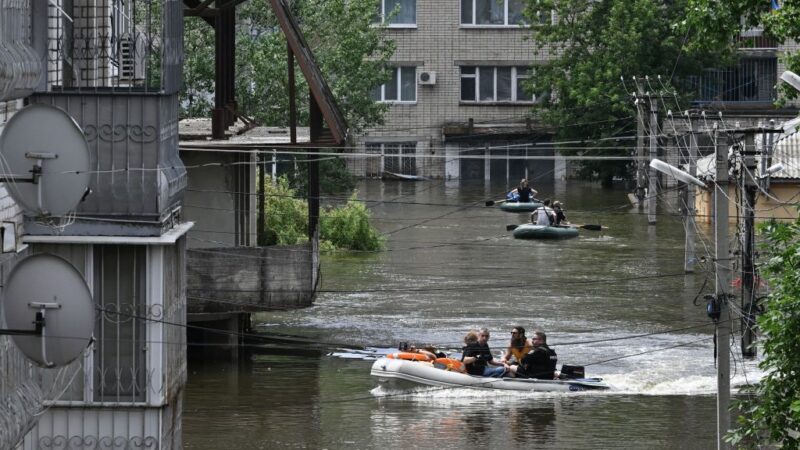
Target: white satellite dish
x: 49, y: 290
x: 47, y: 156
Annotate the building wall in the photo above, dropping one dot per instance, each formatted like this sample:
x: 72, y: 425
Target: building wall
x: 218, y: 198
x: 781, y: 205
x: 251, y: 279
x: 20, y: 393
x: 439, y: 43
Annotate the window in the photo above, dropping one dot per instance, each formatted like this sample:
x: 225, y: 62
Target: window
x: 398, y: 12
x: 492, y: 12
x: 119, y: 289
x: 398, y: 157
x: 401, y: 88
x: 489, y: 84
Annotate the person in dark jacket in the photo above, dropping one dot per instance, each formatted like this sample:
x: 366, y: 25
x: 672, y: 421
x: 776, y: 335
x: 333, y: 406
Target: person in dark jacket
x: 561, y: 218
x: 477, y: 356
x: 525, y: 192
x: 541, y: 362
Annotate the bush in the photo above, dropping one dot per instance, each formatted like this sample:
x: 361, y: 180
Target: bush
x: 341, y: 228
x: 348, y: 227
x: 286, y: 221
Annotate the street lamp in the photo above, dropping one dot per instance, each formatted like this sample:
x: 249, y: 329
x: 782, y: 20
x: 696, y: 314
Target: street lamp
x: 676, y: 173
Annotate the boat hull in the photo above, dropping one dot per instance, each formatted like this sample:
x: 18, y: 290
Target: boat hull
x: 520, y: 207
x: 408, y: 373
x: 531, y: 231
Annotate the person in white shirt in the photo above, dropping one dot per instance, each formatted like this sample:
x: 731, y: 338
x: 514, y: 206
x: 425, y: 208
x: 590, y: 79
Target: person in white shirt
x: 544, y: 215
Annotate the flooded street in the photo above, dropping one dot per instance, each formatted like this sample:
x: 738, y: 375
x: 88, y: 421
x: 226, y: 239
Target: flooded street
x: 616, y: 302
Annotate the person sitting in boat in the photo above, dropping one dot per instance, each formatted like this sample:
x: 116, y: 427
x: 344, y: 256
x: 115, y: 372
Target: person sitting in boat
x: 544, y: 215
x: 561, y: 219
x: 541, y: 362
x: 477, y: 356
x: 518, y: 347
x: 525, y: 192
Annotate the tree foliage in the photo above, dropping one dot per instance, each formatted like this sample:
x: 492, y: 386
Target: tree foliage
x: 772, y: 412
x: 344, y: 227
x: 720, y: 25
x: 350, y: 50
x: 587, y: 52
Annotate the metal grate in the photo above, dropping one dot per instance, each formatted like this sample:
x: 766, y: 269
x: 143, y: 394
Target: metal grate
x: 117, y: 45
x: 752, y: 80
x: 120, y: 292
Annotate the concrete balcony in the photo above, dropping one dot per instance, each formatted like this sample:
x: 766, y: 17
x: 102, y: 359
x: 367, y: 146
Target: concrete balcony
x: 251, y: 279
x: 137, y: 177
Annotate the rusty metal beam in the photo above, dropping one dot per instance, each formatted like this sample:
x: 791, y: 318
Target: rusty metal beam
x: 320, y: 91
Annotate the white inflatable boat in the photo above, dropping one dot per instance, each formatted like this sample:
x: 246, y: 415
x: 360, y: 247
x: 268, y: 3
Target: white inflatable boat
x: 401, y: 371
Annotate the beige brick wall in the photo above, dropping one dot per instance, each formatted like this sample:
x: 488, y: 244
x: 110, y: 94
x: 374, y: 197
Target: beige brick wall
x: 440, y: 43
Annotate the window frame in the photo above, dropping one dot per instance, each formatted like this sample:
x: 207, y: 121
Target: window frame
x: 474, y: 24
x: 476, y: 76
x: 382, y: 13
x: 398, y: 76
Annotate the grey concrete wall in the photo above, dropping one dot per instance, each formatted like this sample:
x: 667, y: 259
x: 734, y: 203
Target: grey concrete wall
x: 250, y: 279
x: 218, y: 199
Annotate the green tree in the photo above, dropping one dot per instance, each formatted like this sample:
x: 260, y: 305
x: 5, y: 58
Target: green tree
x: 348, y: 227
x: 585, y: 54
x: 351, y: 51
x: 771, y: 414
x: 721, y: 25
x: 344, y: 227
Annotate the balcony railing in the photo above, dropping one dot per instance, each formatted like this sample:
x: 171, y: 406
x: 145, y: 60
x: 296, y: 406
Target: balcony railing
x: 752, y: 80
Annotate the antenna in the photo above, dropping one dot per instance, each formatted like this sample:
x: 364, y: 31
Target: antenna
x: 50, y: 309
x: 45, y: 143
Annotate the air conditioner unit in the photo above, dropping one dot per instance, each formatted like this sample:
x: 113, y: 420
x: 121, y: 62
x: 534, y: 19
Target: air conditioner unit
x: 426, y: 77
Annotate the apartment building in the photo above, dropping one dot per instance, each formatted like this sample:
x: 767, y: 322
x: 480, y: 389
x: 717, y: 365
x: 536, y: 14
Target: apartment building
x: 457, y: 108
x: 113, y: 71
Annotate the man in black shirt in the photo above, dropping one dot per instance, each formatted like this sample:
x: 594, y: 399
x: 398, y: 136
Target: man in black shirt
x: 541, y: 362
x: 478, y: 357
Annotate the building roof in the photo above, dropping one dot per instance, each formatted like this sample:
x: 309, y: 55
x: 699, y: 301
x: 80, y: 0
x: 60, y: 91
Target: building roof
x: 786, y: 151
x: 196, y: 133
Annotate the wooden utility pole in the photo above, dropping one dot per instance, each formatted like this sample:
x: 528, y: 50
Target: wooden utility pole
x: 652, y: 190
x: 689, y: 199
x: 722, y: 264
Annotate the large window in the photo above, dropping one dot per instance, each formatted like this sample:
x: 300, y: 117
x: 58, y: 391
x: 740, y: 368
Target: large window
x: 492, y: 12
x: 119, y: 290
x: 398, y: 12
x: 493, y: 84
x: 401, y: 88
x: 397, y: 157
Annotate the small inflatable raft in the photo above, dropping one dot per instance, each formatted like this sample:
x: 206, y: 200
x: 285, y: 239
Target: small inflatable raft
x: 520, y: 206
x: 400, y: 371
x: 531, y: 231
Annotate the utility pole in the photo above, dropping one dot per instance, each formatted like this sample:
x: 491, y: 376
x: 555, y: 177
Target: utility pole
x: 653, y: 174
x: 748, y: 268
x: 722, y: 282
x: 640, y: 164
x: 689, y: 198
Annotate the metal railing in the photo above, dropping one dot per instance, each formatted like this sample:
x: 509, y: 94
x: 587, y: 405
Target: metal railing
x: 132, y: 45
x: 751, y: 80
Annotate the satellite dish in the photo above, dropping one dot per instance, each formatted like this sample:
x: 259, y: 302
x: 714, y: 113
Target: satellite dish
x: 48, y: 157
x: 51, y: 286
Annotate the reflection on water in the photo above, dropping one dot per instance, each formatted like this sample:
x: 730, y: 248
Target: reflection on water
x: 615, y: 301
